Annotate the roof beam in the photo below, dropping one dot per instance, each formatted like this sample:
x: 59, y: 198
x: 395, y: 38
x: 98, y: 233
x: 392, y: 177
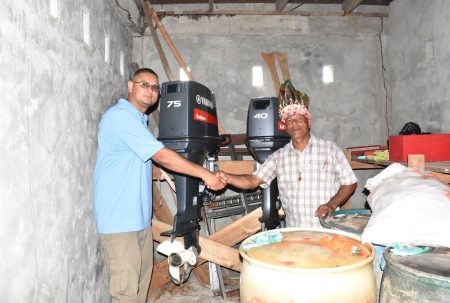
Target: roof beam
x: 349, y: 5
x: 281, y: 4
x: 164, y: 13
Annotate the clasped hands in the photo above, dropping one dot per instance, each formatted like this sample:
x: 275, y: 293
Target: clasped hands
x: 216, y: 180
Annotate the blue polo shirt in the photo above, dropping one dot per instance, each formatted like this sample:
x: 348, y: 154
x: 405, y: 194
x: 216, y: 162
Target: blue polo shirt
x: 123, y: 170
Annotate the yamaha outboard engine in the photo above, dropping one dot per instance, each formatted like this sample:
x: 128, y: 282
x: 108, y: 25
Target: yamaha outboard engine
x: 188, y: 125
x: 266, y: 134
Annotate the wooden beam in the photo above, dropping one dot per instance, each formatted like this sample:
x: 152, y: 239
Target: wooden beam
x: 358, y: 165
x: 349, y: 5
x: 269, y: 59
x: 368, y: 2
x: 282, y: 61
x: 237, y: 166
x: 160, y: 51
x: 150, y: 12
x: 163, y: 13
x: 280, y: 5
x: 210, y: 250
x: 229, y: 235
x: 160, y: 208
x: 443, y: 177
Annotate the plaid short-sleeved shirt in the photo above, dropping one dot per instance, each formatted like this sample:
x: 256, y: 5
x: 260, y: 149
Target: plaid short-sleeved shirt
x: 306, y: 179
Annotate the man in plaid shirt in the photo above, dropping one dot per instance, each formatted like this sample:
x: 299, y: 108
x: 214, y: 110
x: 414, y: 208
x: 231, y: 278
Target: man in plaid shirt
x: 314, y: 177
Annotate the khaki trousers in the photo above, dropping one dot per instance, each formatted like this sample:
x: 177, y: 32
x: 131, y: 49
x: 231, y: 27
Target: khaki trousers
x: 129, y: 258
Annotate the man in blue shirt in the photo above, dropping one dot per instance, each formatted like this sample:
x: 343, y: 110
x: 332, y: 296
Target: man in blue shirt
x: 123, y: 187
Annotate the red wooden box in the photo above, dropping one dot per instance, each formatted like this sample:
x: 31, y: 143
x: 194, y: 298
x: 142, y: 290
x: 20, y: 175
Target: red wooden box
x: 435, y: 147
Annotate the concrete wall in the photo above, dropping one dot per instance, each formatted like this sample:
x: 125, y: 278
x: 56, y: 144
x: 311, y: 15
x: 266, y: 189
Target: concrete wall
x: 55, y: 88
x: 221, y: 52
x: 418, y: 60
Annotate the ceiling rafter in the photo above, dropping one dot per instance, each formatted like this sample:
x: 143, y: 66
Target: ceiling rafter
x: 349, y: 5
x: 280, y: 5
x: 196, y: 13
x: 187, y: 2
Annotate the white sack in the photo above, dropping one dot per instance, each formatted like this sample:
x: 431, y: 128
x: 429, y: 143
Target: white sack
x: 408, y: 208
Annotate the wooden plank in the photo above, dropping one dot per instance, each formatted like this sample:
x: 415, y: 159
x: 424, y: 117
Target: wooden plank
x: 202, y: 274
x: 160, y: 208
x: 237, y: 166
x: 229, y: 235
x: 416, y: 162
x: 280, y: 5
x: 359, y: 165
x: 349, y: 5
x: 440, y: 170
x: 176, y: 13
x: 150, y: 12
x: 269, y: 59
x: 443, y: 177
x: 239, y: 229
x: 160, y: 50
x: 282, y: 60
x: 210, y: 250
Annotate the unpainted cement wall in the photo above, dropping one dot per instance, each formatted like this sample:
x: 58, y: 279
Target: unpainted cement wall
x: 418, y: 64
x: 55, y: 86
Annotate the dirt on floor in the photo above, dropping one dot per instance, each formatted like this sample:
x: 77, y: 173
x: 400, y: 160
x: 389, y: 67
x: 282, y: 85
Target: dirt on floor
x: 191, y: 291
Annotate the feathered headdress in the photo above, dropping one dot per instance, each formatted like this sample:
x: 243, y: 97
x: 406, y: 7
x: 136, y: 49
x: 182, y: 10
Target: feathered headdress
x: 292, y: 101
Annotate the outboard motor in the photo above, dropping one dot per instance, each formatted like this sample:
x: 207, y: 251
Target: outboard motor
x: 188, y: 125
x: 266, y: 134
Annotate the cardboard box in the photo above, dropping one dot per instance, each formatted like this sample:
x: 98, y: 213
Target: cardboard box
x: 435, y: 147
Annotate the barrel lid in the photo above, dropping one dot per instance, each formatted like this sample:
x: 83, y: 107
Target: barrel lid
x: 350, y: 220
x: 435, y: 261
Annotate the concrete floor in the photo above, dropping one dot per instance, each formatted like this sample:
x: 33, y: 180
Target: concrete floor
x: 191, y: 291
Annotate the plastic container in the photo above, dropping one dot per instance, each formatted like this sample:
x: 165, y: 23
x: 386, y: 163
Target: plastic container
x: 265, y: 282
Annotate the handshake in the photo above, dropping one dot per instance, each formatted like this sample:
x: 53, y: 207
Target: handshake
x: 219, y: 179
x: 216, y: 180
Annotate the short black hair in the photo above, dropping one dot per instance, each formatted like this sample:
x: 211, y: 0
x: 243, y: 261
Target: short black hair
x: 145, y: 70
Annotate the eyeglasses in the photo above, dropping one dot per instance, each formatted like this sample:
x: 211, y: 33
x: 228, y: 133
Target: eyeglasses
x: 146, y: 85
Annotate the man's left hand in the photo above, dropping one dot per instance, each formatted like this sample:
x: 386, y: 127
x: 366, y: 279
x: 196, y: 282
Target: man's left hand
x: 324, y: 210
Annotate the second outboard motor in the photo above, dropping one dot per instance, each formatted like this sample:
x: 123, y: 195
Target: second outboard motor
x: 266, y: 134
x: 188, y: 125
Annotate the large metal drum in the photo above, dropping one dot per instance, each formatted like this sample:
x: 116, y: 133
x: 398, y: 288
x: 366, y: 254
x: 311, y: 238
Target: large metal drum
x: 419, y: 278
x: 279, y: 278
